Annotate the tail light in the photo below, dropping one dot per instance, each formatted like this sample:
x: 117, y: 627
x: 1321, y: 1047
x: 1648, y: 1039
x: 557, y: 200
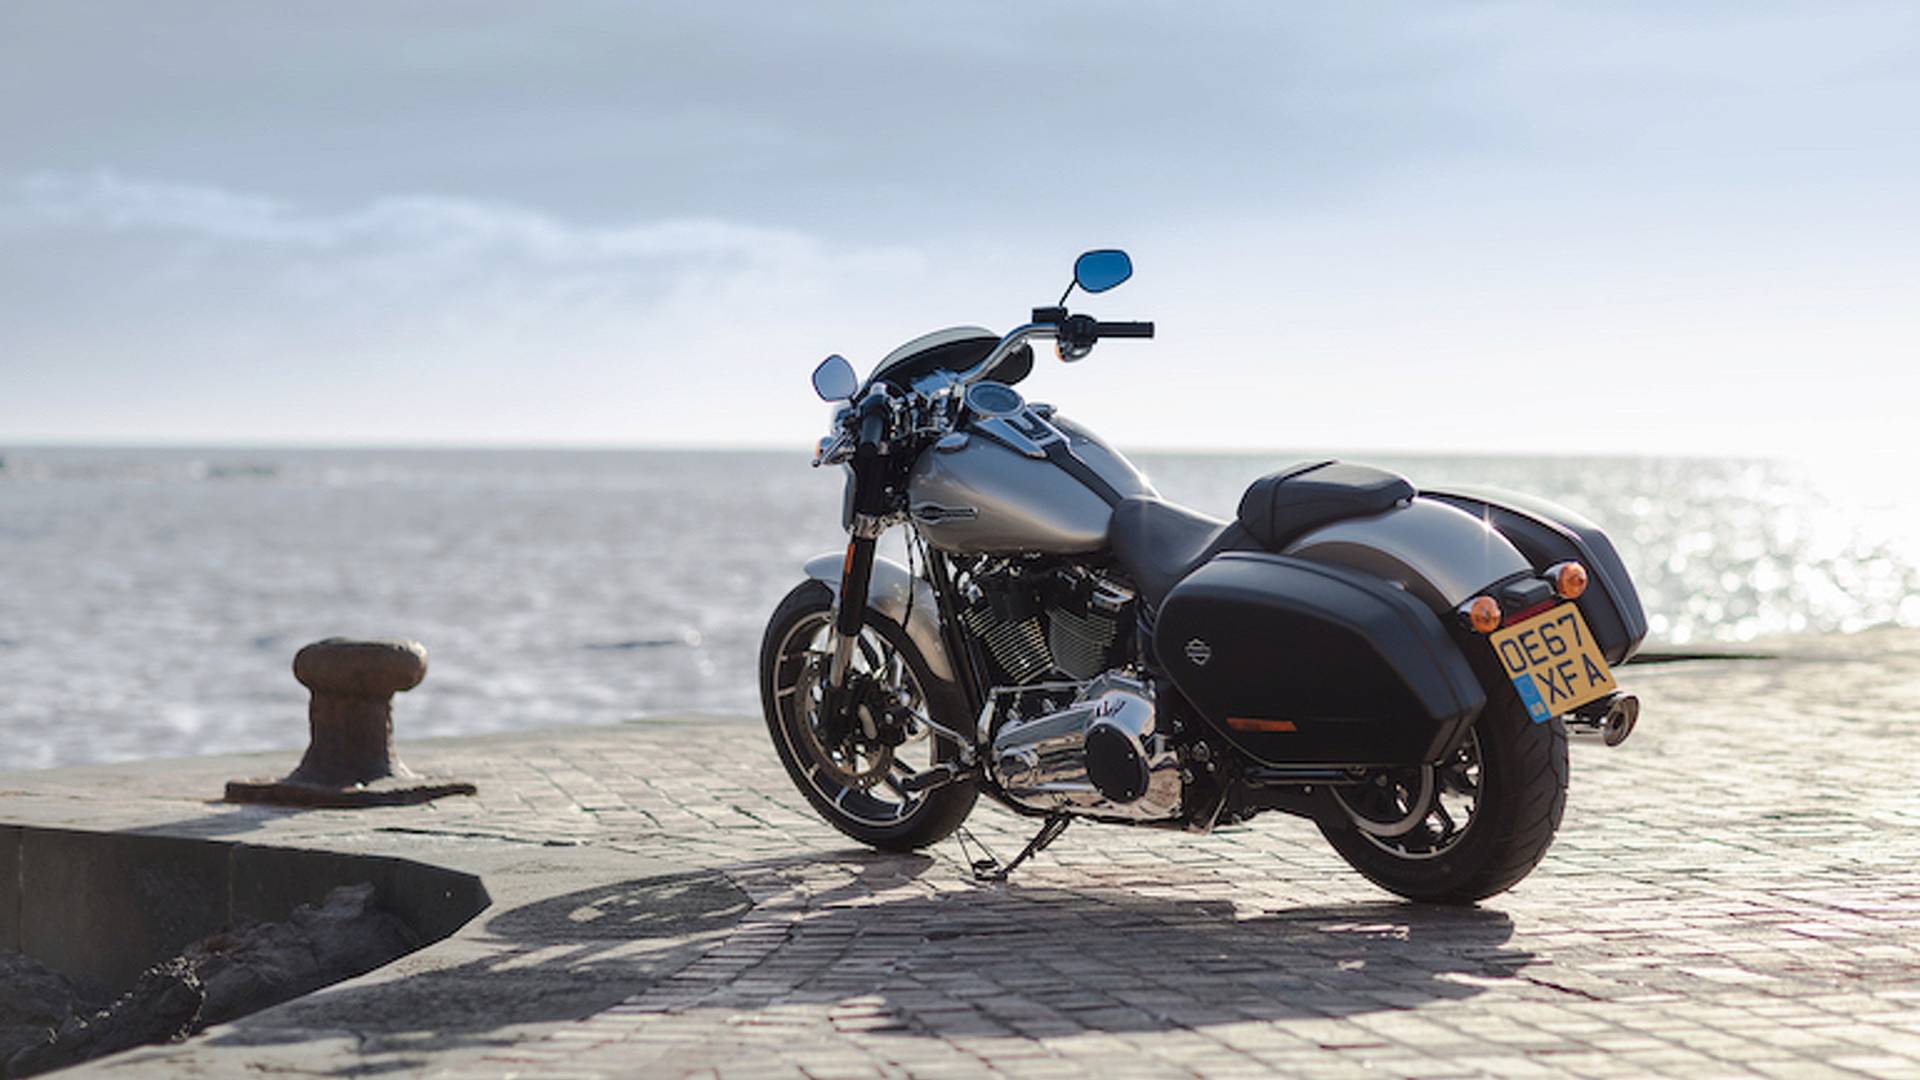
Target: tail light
x: 1569, y: 580
x: 1483, y: 614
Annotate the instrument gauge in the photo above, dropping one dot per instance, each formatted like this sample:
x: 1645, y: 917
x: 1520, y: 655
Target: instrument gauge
x: 994, y: 399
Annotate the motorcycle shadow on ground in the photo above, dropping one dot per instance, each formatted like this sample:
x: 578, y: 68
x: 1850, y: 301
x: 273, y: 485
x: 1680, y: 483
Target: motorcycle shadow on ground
x: 914, y: 948
x: 1113, y: 948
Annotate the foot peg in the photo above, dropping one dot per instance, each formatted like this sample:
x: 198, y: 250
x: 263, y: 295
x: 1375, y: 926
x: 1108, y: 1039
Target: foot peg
x: 929, y: 779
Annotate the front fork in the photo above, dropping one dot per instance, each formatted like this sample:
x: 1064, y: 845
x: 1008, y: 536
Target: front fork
x: 849, y: 614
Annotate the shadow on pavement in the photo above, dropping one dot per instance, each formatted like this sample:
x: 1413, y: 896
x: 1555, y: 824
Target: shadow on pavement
x: 1116, y: 950
x: 923, y: 952
x: 222, y: 821
x: 559, y: 959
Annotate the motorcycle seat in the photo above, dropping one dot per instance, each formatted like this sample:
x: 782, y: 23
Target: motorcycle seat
x: 1158, y: 544
x: 1280, y: 506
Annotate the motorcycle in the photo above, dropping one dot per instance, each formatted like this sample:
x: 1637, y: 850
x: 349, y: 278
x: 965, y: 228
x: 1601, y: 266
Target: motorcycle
x: 1403, y: 667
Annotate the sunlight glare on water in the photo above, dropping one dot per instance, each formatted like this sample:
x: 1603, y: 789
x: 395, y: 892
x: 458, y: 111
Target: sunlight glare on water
x: 151, y: 601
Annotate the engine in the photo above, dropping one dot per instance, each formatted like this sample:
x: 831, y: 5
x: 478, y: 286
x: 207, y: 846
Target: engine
x: 1106, y: 753
x: 1040, y: 622
x: 1068, y: 731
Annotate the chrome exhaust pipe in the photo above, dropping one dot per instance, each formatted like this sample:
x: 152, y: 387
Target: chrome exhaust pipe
x: 1609, y: 720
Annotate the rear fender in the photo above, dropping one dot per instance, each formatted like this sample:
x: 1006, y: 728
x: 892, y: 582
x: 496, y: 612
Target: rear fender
x: 1546, y: 533
x: 1439, y: 553
x: 888, y: 594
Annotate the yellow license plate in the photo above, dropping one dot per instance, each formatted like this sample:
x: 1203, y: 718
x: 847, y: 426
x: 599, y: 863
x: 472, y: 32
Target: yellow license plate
x: 1554, y: 662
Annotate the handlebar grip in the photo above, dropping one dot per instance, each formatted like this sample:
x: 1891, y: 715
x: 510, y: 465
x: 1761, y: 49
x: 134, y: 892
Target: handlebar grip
x: 1124, y: 329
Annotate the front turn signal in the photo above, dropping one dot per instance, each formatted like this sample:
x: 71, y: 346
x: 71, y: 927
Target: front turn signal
x: 1569, y: 580
x: 1483, y: 614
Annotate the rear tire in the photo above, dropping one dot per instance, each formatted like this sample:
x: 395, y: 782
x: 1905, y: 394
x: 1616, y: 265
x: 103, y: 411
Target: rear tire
x: 854, y: 788
x: 1517, y: 795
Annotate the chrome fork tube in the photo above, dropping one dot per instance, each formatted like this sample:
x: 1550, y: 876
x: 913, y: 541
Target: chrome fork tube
x: 841, y: 659
x: 850, y: 611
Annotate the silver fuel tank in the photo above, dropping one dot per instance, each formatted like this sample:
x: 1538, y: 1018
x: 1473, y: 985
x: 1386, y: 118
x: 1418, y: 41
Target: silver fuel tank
x: 990, y: 488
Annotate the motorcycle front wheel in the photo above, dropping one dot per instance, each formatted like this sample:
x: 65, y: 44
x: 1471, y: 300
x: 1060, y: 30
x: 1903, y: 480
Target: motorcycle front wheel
x: 1466, y: 828
x: 856, y: 782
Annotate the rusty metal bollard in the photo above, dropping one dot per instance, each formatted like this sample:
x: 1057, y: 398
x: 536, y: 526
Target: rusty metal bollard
x: 350, y: 760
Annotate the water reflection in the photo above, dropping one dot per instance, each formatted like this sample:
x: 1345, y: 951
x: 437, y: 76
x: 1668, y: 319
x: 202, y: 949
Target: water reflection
x: 153, y: 598
x: 1722, y: 549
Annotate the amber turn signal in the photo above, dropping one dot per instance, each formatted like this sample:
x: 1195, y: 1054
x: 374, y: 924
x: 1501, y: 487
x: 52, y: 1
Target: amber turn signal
x: 1569, y: 580
x: 1484, y: 614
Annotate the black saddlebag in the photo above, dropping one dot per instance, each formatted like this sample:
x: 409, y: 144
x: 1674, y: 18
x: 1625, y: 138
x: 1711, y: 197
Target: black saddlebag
x: 1303, y: 663
x: 1546, y: 534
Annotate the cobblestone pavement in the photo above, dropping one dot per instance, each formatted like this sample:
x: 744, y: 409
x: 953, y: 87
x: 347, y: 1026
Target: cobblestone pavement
x: 1735, y: 892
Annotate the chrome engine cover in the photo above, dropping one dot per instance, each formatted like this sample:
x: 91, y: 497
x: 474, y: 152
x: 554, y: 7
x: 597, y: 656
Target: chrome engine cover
x: 1043, y: 763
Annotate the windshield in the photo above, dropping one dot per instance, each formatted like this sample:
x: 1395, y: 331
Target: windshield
x: 954, y: 349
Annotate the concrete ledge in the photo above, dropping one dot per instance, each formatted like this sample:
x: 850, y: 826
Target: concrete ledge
x: 10, y: 887
x: 101, y: 907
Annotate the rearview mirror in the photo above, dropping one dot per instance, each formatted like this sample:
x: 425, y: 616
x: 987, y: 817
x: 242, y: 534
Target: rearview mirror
x: 834, y: 379
x: 1098, y: 271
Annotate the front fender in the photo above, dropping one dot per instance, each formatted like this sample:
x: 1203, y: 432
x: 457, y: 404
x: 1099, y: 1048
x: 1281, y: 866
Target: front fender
x: 888, y: 593
x: 1439, y: 553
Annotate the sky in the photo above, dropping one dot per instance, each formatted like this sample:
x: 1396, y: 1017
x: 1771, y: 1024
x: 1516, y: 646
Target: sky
x: 1615, y: 227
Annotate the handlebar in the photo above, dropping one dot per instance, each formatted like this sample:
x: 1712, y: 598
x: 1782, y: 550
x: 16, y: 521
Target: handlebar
x: 1014, y: 339
x: 1051, y: 322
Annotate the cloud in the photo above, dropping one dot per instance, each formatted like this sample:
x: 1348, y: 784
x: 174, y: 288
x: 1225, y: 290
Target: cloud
x: 107, y: 202
x: 494, y: 320
x: 145, y: 310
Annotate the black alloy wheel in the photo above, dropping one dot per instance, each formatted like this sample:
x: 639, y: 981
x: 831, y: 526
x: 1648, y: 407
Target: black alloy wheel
x: 1467, y: 827
x: 857, y: 781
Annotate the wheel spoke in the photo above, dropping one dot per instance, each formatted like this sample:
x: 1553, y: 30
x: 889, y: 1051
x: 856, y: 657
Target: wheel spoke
x: 1458, y: 782
x: 857, y: 781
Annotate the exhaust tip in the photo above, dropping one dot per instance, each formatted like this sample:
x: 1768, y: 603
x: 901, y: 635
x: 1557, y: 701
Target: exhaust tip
x: 1622, y: 714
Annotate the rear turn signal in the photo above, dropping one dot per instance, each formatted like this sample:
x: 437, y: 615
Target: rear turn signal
x: 1483, y: 614
x: 1569, y: 580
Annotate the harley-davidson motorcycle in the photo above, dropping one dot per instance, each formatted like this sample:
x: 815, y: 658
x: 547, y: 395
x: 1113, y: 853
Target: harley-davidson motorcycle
x: 1404, y: 667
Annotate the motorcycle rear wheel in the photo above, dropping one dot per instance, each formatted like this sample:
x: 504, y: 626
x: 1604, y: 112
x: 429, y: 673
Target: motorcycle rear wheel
x: 855, y: 786
x: 1510, y: 771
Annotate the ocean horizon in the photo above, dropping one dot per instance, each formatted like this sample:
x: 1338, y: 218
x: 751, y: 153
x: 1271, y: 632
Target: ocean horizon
x: 153, y: 596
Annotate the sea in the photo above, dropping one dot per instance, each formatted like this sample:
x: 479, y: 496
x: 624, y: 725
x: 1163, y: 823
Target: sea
x: 151, y: 600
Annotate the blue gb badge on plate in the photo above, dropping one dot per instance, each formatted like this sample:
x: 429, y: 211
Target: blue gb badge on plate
x: 1530, y: 696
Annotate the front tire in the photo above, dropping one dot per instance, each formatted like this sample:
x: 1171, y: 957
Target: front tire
x: 1511, y: 775
x: 855, y: 784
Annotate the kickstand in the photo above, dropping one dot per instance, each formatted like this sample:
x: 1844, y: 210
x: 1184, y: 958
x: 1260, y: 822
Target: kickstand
x: 989, y: 868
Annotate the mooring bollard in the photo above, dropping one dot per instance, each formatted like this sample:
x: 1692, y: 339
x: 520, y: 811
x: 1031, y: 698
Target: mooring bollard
x: 350, y: 759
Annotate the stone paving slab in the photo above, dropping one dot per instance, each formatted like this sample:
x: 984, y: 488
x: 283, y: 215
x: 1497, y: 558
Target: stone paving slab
x: 1736, y: 892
